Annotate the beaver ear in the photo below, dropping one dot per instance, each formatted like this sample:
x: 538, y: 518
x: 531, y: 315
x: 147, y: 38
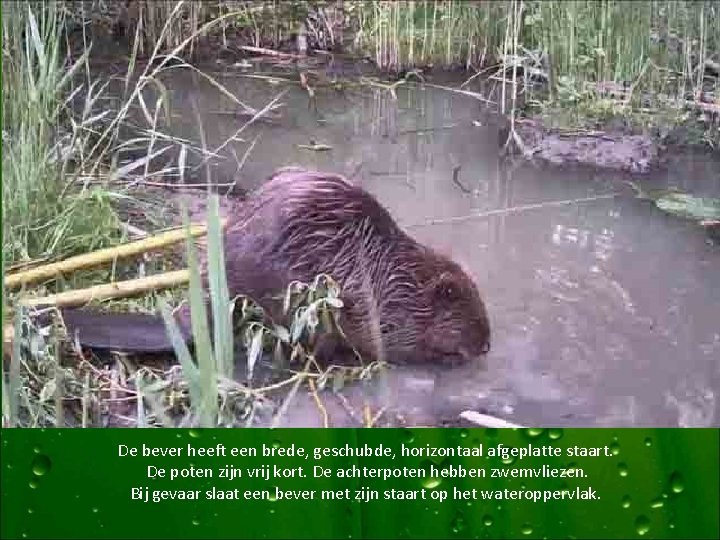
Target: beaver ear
x: 446, y: 287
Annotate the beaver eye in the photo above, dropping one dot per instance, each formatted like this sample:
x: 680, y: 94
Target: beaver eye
x: 449, y: 291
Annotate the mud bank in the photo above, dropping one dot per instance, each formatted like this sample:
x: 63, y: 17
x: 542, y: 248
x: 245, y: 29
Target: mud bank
x: 612, y: 150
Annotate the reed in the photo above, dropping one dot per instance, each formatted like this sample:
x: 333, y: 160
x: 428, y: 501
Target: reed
x: 654, y: 45
x: 418, y: 33
x: 42, y: 216
x: 64, y: 187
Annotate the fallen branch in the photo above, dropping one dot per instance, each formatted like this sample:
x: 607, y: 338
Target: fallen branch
x: 514, y: 209
x: 456, y: 180
x: 106, y: 291
x: 269, y: 52
x: 485, y: 70
x: 463, y: 92
x: 269, y: 78
x: 315, y: 147
x: 621, y: 96
x: 25, y: 265
x: 318, y: 402
x: 701, y: 105
x: 102, y: 256
x: 428, y: 129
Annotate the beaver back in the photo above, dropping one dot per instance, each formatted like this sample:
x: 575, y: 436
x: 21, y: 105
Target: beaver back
x: 403, y: 302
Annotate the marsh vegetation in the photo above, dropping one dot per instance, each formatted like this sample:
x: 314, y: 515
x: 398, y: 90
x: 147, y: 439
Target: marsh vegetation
x: 91, y: 148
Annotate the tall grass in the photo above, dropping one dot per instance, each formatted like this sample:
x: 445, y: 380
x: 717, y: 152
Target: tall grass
x: 61, y: 135
x: 579, y: 40
x: 648, y: 44
x: 416, y: 33
x: 654, y: 63
x: 58, y: 163
x: 202, y: 376
x: 261, y: 23
x: 655, y: 45
x: 43, y: 212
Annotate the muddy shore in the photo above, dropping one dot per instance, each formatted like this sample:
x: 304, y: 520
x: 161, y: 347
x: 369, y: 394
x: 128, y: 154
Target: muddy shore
x: 612, y: 150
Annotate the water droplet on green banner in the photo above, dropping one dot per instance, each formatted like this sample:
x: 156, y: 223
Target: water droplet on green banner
x: 41, y: 465
x: 642, y: 525
x: 677, y: 484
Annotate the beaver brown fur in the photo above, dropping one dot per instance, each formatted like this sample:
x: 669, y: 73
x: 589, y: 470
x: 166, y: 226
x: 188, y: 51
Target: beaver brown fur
x: 403, y: 301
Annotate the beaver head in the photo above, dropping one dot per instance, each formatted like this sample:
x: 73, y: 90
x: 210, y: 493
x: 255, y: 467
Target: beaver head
x: 438, y: 318
x: 459, y: 329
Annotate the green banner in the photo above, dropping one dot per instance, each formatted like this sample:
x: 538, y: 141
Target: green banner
x: 372, y: 483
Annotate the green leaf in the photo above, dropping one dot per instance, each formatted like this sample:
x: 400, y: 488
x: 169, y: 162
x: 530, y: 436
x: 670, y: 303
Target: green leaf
x: 255, y: 351
x: 334, y: 302
x: 687, y: 206
x: 189, y: 368
x: 282, y: 333
x: 219, y: 294
x: 48, y: 391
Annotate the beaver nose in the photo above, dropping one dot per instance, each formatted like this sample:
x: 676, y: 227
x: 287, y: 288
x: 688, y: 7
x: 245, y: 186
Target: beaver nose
x: 466, y: 356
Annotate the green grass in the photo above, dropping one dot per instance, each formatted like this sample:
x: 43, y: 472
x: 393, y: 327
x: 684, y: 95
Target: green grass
x: 641, y: 62
x: 46, y: 212
x: 63, y: 194
x: 585, y: 39
x: 407, y: 34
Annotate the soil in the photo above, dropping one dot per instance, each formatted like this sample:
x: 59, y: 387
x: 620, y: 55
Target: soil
x: 615, y: 150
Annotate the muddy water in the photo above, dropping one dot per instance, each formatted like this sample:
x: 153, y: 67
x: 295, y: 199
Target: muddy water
x: 605, y: 311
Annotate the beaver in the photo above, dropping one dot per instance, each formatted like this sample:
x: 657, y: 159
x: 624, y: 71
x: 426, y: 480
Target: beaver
x: 402, y: 301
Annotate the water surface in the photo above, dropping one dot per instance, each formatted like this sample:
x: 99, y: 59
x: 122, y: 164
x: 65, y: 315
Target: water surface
x: 605, y: 311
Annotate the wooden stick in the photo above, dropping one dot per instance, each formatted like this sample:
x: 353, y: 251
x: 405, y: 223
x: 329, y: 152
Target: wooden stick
x: 8, y: 335
x: 487, y: 421
x: 119, y: 289
x: 477, y: 96
x: 269, y: 52
x: 101, y: 256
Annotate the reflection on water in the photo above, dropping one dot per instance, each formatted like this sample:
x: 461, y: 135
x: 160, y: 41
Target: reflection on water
x: 604, y: 311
